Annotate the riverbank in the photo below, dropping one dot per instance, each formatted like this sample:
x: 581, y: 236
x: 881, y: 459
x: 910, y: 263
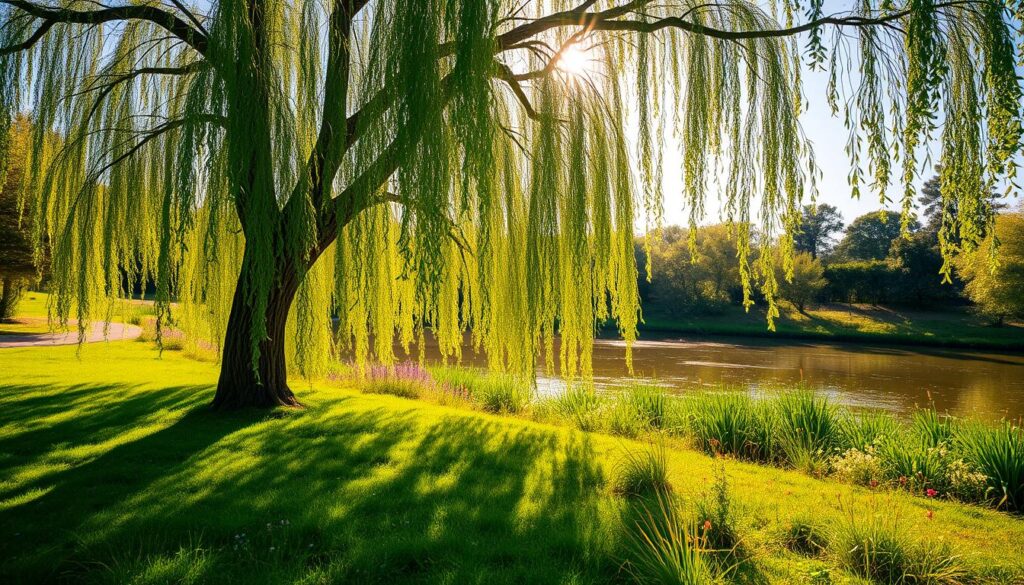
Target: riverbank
x: 841, y: 322
x: 116, y: 471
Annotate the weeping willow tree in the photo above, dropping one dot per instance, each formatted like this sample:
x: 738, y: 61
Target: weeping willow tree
x: 276, y: 166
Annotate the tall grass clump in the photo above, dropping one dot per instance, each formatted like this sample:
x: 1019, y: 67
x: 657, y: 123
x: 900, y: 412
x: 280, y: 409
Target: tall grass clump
x: 809, y: 430
x: 648, y: 402
x: 503, y: 393
x: 407, y: 380
x: 663, y: 548
x: 875, y: 545
x: 932, y: 428
x: 868, y: 430
x: 716, y: 518
x: 916, y: 465
x: 499, y: 393
x: 643, y: 473
x: 730, y: 423
x: 805, y: 536
x: 581, y: 406
x: 998, y: 453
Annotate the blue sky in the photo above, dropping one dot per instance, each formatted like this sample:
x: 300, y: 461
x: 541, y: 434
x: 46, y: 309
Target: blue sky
x: 829, y: 136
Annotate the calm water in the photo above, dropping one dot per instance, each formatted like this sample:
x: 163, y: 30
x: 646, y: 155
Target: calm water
x: 984, y: 384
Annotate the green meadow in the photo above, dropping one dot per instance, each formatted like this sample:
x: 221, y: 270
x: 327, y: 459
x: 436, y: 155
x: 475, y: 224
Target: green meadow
x: 114, y: 470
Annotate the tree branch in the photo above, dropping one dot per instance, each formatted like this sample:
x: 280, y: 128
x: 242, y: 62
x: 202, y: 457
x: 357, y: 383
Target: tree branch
x: 606, y: 20
x: 177, y: 27
x: 506, y: 75
x: 29, y: 42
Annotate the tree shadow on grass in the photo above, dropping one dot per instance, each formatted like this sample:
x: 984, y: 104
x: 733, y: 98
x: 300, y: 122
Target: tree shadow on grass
x: 86, y: 413
x: 329, y: 494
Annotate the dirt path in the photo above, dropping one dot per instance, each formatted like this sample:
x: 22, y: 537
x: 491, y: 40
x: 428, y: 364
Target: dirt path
x: 116, y: 332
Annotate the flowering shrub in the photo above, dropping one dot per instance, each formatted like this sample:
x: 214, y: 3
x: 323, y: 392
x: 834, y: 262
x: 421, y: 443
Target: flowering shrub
x: 858, y: 467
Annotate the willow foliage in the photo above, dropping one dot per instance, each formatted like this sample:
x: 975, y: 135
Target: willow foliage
x: 428, y: 163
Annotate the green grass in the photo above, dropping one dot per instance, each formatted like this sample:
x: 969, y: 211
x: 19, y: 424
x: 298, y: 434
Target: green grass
x: 838, y: 322
x: 33, y: 314
x: 113, y: 470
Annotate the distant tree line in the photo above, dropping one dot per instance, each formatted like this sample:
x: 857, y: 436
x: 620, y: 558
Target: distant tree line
x: 867, y: 262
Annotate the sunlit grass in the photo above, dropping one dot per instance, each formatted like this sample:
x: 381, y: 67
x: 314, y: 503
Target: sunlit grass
x: 113, y: 470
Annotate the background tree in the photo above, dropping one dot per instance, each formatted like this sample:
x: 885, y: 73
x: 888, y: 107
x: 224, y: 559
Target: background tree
x: 997, y: 291
x: 806, y: 283
x: 17, y: 258
x: 870, y: 236
x: 917, y: 265
x: 686, y: 283
x: 419, y: 148
x: 817, y: 224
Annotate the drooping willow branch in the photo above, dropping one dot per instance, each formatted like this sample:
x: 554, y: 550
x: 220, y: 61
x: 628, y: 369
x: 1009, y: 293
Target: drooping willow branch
x: 50, y: 16
x: 367, y: 135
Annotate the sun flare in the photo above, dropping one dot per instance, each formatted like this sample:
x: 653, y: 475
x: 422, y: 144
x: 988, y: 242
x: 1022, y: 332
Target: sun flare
x: 576, y: 60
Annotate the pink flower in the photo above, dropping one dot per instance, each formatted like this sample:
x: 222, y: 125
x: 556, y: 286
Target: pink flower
x: 930, y: 493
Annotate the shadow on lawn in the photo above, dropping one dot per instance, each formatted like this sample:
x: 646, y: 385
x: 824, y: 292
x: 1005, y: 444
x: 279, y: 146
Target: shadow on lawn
x: 331, y: 494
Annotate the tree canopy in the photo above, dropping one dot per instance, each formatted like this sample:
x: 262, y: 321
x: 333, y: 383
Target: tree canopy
x: 817, y: 224
x: 436, y: 163
x: 870, y: 236
x: 998, y: 291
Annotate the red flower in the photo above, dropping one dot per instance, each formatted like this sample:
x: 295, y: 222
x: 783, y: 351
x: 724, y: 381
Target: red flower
x: 707, y: 525
x: 930, y: 493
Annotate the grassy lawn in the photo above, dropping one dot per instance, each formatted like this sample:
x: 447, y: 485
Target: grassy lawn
x: 31, y: 316
x: 112, y: 470
x: 33, y: 312
x: 839, y: 322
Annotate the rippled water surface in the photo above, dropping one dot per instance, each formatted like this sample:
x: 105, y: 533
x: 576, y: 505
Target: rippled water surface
x: 985, y: 384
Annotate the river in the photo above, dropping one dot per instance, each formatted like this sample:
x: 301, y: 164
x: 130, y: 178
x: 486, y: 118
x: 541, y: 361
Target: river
x: 963, y: 382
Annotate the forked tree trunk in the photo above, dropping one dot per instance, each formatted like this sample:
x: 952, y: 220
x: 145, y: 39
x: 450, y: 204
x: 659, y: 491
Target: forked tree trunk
x: 240, y: 384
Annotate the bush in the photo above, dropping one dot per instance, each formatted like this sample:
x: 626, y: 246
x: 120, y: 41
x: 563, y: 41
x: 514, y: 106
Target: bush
x: 492, y: 392
x: 999, y: 454
x: 623, y: 421
x: 858, y: 467
x: 643, y: 473
x: 966, y: 483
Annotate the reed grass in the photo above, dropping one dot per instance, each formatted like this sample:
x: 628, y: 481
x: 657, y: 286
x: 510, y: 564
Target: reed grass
x: 663, y: 546
x: 931, y: 454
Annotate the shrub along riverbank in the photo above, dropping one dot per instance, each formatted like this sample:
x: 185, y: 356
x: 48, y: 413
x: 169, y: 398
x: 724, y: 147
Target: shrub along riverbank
x: 114, y: 470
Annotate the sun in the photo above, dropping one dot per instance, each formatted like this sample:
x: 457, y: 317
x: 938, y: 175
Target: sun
x: 576, y: 60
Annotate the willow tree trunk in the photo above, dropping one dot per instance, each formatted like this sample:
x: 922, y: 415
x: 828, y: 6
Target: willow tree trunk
x: 243, y: 384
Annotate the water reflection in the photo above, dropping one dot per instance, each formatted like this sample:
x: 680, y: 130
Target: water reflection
x: 963, y: 382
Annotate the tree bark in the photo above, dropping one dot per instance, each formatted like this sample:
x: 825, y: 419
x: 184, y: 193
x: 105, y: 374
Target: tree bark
x: 266, y: 385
